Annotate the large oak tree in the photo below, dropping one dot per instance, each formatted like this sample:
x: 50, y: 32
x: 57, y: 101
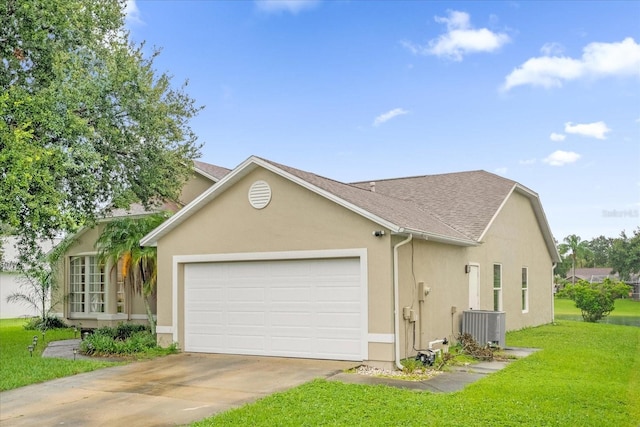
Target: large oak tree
x: 87, y: 122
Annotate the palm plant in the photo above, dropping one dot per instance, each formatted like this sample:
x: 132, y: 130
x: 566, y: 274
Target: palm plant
x: 119, y: 245
x: 577, y: 247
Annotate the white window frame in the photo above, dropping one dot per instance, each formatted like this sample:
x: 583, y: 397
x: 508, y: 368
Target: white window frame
x: 525, y: 289
x: 497, y: 290
x: 92, y: 302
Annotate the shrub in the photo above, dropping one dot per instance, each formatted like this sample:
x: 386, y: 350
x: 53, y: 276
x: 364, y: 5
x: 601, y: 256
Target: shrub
x: 37, y: 323
x: 125, y: 339
x: 596, y: 300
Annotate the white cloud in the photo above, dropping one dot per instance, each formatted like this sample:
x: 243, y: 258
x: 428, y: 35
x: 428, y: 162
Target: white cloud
x: 460, y: 39
x: 527, y: 161
x: 561, y: 158
x: 291, y: 6
x: 557, y: 136
x: 594, y: 130
x: 598, y: 60
x: 132, y: 13
x: 501, y: 171
x: 389, y: 115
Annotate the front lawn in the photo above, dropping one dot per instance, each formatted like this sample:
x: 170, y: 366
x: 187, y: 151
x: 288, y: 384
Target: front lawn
x: 18, y: 368
x: 586, y: 374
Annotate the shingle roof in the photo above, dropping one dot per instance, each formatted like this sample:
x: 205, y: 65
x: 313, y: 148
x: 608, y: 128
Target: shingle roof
x: 403, y: 211
x: 217, y: 172
x: 455, y: 208
x: 467, y: 201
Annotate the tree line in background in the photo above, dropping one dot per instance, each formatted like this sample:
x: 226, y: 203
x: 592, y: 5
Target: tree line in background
x: 621, y: 254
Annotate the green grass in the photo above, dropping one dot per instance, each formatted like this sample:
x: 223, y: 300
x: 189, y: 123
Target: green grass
x: 626, y: 312
x: 585, y: 375
x: 18, y: 369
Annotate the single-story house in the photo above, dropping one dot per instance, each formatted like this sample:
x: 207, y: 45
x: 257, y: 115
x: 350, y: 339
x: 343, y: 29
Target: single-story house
x: 93, y: 295
x: 276, y: 261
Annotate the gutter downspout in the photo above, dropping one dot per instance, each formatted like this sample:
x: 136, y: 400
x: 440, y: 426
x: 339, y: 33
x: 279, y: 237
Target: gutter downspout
x: 396, y: 298
x: 553, y: 295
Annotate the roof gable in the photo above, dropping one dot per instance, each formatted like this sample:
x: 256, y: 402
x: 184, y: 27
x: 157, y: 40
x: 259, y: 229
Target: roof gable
x: 455, y: 208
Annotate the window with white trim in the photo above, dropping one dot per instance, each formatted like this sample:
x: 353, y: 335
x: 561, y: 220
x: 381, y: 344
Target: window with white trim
x: 120, y: 289
x: 86, y: 285
x: 497, y: 287
x: 525, y: 289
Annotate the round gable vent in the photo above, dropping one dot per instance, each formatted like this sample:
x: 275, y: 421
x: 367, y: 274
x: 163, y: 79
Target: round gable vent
x: 259, y: 194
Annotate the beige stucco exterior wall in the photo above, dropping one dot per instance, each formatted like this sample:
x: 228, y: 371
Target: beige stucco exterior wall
x: 195, y: 186
x: 295, y: 220
x: 514, y: 240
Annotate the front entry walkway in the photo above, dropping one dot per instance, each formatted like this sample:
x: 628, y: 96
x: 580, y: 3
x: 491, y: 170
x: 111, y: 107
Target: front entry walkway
x: 173, y: 390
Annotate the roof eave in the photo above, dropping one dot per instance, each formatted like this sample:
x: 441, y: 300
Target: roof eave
x: 424, y: 235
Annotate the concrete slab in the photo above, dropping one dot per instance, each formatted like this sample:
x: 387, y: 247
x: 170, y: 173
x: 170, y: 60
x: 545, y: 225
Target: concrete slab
x: 173, y: 390
x: 455, y: 379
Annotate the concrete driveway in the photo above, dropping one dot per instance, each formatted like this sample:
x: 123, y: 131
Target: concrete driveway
x: 172, y: 390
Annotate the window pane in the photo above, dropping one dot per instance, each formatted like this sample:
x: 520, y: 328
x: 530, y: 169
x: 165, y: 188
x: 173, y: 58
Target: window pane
x: 496, y: 300
x: 497, y: 276
x: 77, y: 285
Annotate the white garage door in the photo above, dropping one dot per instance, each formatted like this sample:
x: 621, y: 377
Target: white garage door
x: 290, y: 308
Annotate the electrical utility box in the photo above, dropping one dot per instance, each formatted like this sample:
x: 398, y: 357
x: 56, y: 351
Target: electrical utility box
x: 486, y: 327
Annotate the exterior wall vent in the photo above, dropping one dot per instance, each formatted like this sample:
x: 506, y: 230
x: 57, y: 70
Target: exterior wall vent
x: 259, y: 194
x: 485, y: 326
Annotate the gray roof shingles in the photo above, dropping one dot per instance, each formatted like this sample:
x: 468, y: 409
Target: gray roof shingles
x: 467, y: 201
x: 404, y: 212
x: 218, y: 172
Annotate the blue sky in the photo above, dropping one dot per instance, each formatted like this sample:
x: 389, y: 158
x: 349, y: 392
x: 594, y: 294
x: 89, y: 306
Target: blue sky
x: 544, y: 93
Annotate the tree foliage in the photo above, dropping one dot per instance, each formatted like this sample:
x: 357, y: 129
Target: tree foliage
x: 118, y: 245
x: 596, y: 300
x: 625, y: 255
x: 86, y: 120
x: 576, y: 248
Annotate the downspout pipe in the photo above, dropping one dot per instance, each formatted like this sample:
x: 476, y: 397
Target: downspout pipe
x: 396, y: 301
x: 553, y: 295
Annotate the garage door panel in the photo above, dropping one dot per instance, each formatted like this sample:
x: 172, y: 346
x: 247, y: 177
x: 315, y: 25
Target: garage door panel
x: 245, y: 319
x: 244, y: 344
x: 342, y: 320
x: 293, y: 308
x: 291, y: 318
x: 291, y: 344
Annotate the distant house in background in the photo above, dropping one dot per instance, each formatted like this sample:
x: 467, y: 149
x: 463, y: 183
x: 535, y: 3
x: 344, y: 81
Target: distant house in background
x: 598, y: 274
x: 94, y: 295
x: 11, y: 281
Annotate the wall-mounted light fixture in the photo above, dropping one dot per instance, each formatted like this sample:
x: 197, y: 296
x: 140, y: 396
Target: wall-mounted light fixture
x: 378, y: 233
x: 467, y: 269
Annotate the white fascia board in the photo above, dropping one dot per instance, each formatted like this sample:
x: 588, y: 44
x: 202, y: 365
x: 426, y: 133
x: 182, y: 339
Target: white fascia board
x: 211, y: 193
x: 328, y: 195
x: 540, y: 217
x: 419, y: 234
x: 243, y: 169
x: 496, y: 213
x: 206, y: 175
x: 542, y: 221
